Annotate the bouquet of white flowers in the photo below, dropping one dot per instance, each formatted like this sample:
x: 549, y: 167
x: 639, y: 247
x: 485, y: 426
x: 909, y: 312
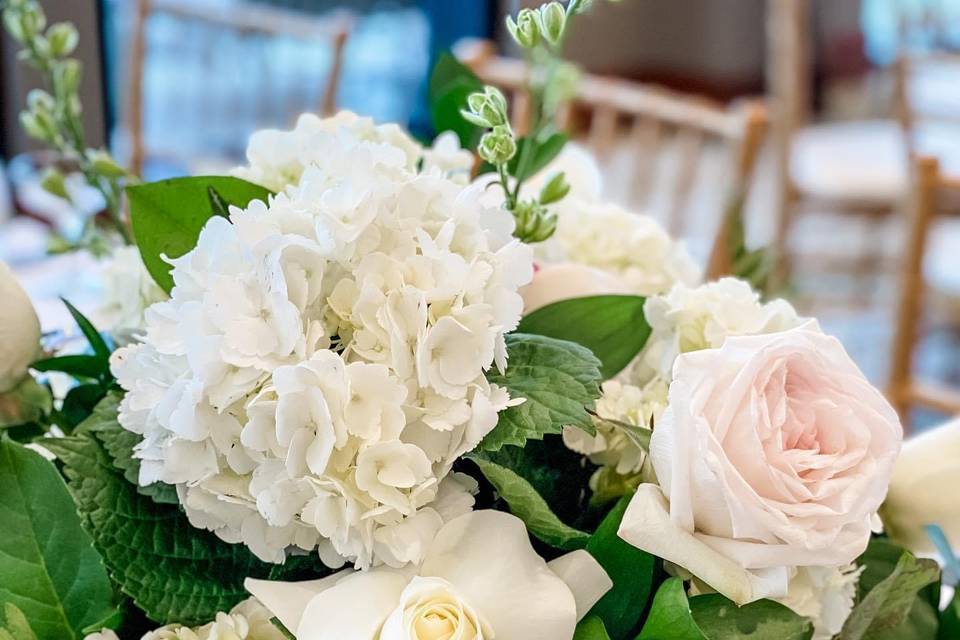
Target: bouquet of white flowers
x: 372, y: 395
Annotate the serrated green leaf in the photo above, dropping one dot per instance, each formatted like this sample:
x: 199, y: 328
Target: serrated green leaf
x: 630, y: 569
x: 591, y: 628
x: 529, y: 506
x: 167, y: 216
x: 49, y: 568
x: 889, y: 602
x: 614, y: 328
x: 670, y: 615
x: 720, y: 619
x: 173, y: 571
x: 560, y: 380
x: 100, y: 348
x: 119, y: 444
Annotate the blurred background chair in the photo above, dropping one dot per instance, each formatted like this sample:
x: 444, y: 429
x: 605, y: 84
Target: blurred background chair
x: 653, y: 144
x: 228, y: 64
x: 934, y: 194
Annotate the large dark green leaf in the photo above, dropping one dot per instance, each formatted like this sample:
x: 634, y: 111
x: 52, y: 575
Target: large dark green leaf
x: 450, y: 84
x: 559, y: 381
x: 78, y: 365
x: 670, y: 615
x: 168, y: 215
x: 529, y: 506
x: 950, y: 620
x: 630, y: 569
x: 614, y: 328
x: 49, y: 569
x: 720, y: 619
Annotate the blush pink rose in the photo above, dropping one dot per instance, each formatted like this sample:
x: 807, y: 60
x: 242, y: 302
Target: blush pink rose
x: 556, y: 282
x: 774, y: 452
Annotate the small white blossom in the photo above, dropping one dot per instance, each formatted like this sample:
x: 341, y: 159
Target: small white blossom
x: 128, y: 290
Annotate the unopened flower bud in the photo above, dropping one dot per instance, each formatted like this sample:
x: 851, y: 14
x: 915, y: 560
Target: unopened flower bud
x: 39, y: 125
x: 32, y: 20
x: 526, y: 30
x: 553, y: 21
x: 497, y: 146
x: 39, y: 101
x: 63, y: 39
x: 555, y: 190
x: 487, y: 108
x: 534, y: 222
x: 104, y: 164
x: 53, y: 183
x: 66, y: 78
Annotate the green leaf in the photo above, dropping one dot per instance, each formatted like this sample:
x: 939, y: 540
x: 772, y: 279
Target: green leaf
x: 119, y: 444
x: 78, y: 366
x: 15, y: 625
x: 97, y: 343
x: 950, y: 620
x: 173, y: 571
x: 888, y: 604
x: 450, y: 84
x: 614, y: 328
x: 529, y: 506
x: 559, y: 381
x: 591, y: 628
x: 50, y: 570
x: 630, y: 569
x: 720, y: 619
x: 535, y: 155
x: 168, y: 215
x: 78, y: 405
x: 670, y: 615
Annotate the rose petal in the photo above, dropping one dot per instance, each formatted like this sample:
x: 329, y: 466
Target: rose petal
x: 585, y: 577
x: 355, y: 608
x: 288, y: 600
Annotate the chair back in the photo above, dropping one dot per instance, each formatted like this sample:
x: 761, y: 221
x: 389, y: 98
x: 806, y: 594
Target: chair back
x: 934, y: 193
x: 204, y: 75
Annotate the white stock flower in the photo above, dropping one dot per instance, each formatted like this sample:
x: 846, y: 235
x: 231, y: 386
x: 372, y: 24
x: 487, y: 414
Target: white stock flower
x: 320, y: 363
x: 128, y: 289
x: 826, y: 595
x: 480, y: 579
x: 19, y: 330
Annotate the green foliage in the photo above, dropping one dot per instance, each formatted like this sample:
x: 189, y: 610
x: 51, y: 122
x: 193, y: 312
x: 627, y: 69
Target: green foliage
x: 529, y: 506
x: 15, y: 625
x: 25, y: 404
x: 670, y: 615
x: 559, y: 381
x: 173, y: 571
x: 614, y: 328
x: 889, y: 602
x: 591, y: 628
x: 720, y: 619
x: 630, y: 569
x: 451, y: 83
x: 51, y: 572
x: 950, y: 620
x: 168, y: 215
x: 538, y: 154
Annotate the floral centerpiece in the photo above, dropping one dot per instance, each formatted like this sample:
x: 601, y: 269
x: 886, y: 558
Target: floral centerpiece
x: 364, y: 391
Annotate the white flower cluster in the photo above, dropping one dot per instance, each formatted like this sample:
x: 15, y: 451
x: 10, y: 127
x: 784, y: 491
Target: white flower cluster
x: 278, y: 158
x: 826, y: 595
x: 128, y: 290
x: 633, y: 247
x: 320, y: 364
x: 249, y: 620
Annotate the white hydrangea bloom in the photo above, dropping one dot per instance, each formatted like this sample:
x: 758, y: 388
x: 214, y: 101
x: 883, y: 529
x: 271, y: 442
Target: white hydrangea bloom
x: 320, y: 363
x: 692, y: 318
x: 249, y: 620
x: 128, y: 289
x: 634, y: 247
x: 277, y: 159
x: 612, y: 446
x: 823, y: 594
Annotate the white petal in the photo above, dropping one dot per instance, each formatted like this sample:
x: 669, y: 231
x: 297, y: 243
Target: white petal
x: 647, y: 525
x: 487, y: 556
x: 585, y: 577
x: 288, y: 600
x: 355, y: 608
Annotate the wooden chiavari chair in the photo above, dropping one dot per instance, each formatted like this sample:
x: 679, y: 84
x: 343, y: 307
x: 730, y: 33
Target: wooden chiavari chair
x: 651, y: 121
x: 240, y: 21
x: 934, y: 194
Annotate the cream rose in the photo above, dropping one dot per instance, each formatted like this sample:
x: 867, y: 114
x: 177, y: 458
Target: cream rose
x: 19, y: 330
x: 922, y: 489
x: 774, y: 452
x: 480, y: 579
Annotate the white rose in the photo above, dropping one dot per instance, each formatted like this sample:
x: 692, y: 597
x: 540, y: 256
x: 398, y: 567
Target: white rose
x: 552, y: 283
x: 774, y: 452
x: 921, y: 490
x: 19, y: 330
x: 480, y: 579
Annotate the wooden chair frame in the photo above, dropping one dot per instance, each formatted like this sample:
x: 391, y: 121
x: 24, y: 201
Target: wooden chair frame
x: 243, y: 19
x: 931, y: 191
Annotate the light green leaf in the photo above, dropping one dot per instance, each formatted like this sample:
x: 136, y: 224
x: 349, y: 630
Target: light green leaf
x: 173, y: 571
x: 535, y: 154
x: 630, y: 569
x: 529, y: 506
x: 591, y: 628
x: 49, y: 568
x: 167, y: 216
x: 720, y: 619
x: 888, y: 604
x: 15, y: 625
x: 614, y: 328
x: 670, y: 615
x: 560, y: 380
